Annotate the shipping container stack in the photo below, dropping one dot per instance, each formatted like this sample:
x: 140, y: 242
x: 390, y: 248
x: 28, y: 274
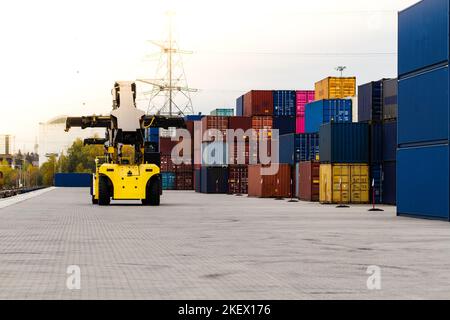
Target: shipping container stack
x: 344, y: 163
x: 423, y: 182
x: 214, y: 155
x: 332, y: 104
x: 377, y: 102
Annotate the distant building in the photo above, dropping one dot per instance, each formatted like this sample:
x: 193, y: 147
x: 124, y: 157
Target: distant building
x: 6, y: 147
x: 53, y: 138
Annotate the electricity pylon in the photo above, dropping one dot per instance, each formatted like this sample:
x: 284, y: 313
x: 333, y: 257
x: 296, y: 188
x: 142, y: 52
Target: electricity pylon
x: 170, y: 93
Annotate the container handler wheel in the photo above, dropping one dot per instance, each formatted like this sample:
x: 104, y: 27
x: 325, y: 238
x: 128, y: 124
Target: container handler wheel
x: 152, y: 194
x: 104, y: 198
x: 94, y: 201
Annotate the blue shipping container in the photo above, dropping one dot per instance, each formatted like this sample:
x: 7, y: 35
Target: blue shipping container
x: 168, y: 180
x: 376, y: 142
x: 152, y: 135
x: 370, y: 101
x: 390, y: 141
x: 284, y: 103
x: 344, y: 143
x: 198, y: 180
x: 214, y: 180
x: 299, y: 147
x: 284, y: 125
x: 389, y: 182
x: 423, y: 182
x: 240, y: 106
x: 376, y: 183
x: 73, y: 180
x: 423, y: 107
x: 214, y: 153
x: 326, y: 111
x: 195, y: 117
x: 423, y: 35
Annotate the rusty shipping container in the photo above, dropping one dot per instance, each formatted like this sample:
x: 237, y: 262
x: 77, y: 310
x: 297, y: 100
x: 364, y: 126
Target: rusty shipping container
x: 238, y: 179
x: 278, y: 185
x: 308, y: 181
x: 214, y: 122
x: 166, y: 145
x: 184, y: 177
x: 167, y: 164
x: 335, y: 88
x: 258, y: 103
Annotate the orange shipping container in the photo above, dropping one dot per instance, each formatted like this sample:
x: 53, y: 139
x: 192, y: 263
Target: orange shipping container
x: 258, y: 103
x: 335, y: 88
x: 274, y: 186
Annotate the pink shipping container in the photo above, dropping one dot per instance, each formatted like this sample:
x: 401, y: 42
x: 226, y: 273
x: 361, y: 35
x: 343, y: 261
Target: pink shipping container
x: 302, y: 98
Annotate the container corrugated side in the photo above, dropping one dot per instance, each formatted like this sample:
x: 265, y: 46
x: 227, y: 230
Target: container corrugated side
x: 302, y: 98
x: 370, y: 101
x: 309, y: 181
x: 423, y: 107
x: 270, y: 186
x: 390, y: 141
x: 258, y: 103
x: 240, y: 106
x: 214, y: 179
x: 344, y: 183
x: 389, y: 182
x: 238, y: 179
x: 376, y: 142
x: 344, y: 143
x: 335, y: 88
x: 284, y: 103
x: 73, y: 180
x: 423, y: 182
x: 284, y: 124
x: 390, y: 99
x: 423, y: 35
x: 376, y: 183
x: 168, y: 180
x: 325, y: 111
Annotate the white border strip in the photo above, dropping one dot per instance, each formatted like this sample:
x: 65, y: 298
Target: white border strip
x: 6, y: 202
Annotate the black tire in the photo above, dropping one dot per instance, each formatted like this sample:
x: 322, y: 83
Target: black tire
x: 94, y: 201
x: 104, y: 198
x: 152, y: 193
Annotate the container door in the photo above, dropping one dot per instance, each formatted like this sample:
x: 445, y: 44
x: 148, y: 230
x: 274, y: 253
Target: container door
x: 325, y: 183
x: 360, y: 184
x: 341, y: 183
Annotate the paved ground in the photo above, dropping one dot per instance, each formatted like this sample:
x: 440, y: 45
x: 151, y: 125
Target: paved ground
x: 217, y: 246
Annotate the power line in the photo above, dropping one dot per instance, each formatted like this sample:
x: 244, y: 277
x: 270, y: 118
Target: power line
x: 306, y: 54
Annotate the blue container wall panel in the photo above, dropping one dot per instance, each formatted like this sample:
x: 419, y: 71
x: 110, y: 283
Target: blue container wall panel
x: 370, y: 101
x: 423, y: 182
x: 214, y: 180
x: 298, y: 147
x: 344, y: 143
x: 376, y: 183
x: 73, y: 180
x: 284, y: 103
x: 168, y: 180
x: 423, y: 107
x: 324, y: 111
x: 390, y: 141
x: 389, y: 182
x: 287, y: 148
x: 198, y: 180
x: 376, y: 143
x: 284, y: 125
x: 152, y: 135
x: 240, y: 106
x: 423, y: 35
x: 193, y: 117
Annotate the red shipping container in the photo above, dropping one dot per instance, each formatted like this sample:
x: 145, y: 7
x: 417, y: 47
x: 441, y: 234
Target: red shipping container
x: 308, y: 180
x: 258, y: 103
x: 243, y: 123
x: 184, y: 177
x: 244, y: 152
x: 167, y: 164
x: 166, y: 145
x: 214, y: 122
x: 302, y: 98
x: 273, y: 186
x: 238, y: 179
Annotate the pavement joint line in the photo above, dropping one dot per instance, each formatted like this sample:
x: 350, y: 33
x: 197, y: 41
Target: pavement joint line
x: 6, y: 202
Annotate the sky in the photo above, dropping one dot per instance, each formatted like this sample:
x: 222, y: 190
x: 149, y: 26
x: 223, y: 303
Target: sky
x: 62, y: 57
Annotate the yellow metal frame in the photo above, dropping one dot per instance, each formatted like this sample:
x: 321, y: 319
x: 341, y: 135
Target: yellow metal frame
x: 129, y: 181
